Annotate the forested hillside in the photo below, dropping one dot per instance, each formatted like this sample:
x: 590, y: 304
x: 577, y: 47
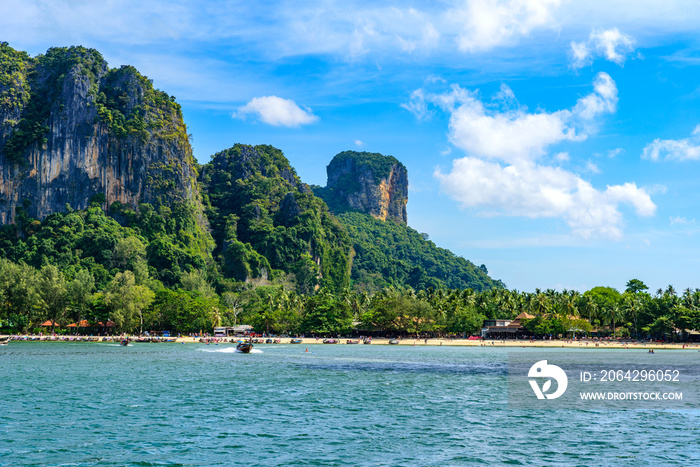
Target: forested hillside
x: 264, y: 219
x: 387, y: 252
x: 105, y: 215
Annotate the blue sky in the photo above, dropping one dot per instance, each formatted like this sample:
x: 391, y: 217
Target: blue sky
x: 557, y: 142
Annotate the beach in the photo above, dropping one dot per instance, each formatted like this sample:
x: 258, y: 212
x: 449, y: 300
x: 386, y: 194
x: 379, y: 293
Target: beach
x: 434, y: 342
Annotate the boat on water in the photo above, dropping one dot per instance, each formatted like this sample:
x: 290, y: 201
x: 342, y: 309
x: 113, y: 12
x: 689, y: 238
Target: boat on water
x: 295, y: 341
x: 244, y: 347
x: 394, y: 342
x: 4, y: 340
x: 330, y: 341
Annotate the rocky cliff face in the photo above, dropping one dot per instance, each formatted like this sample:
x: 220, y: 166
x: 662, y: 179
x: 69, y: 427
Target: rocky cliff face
x: 369, y: 183
x: 72, y: 130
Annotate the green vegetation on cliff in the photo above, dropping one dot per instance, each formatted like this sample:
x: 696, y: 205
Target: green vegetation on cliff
x: 129, y: 104
x: 122, y: 232
x: 35, y: 85
x: 378, y: 164
x: 14, y: 67
x: 156, y: 245
x: 387, y: 252
x: 261, y: 214
x: 366, y: 182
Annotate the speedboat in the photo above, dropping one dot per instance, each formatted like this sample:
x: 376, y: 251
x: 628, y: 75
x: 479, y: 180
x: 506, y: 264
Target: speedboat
x: 4, y: 341
x: 394, y: 342
x: 330, y: 341
x: 295, y: 341
x: 244, y: 347
x: 124, y: 342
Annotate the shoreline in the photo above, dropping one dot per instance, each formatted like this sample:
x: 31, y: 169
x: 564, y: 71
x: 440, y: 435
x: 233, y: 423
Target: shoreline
x: 583, y: 344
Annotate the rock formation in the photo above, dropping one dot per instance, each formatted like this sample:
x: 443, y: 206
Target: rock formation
x: 369, y: 183
x: 74, y: 131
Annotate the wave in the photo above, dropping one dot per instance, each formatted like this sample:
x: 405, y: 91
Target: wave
x: 227, y: 350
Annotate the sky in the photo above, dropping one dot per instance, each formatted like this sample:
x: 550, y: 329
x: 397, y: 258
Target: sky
x: 555, y: 141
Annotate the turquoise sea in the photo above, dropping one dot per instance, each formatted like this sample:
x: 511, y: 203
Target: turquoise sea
x: 84, y: 404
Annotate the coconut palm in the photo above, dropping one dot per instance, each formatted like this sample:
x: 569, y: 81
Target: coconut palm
x: 631, y: 307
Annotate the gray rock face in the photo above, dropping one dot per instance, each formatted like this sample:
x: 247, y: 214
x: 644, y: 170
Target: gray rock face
x: 370, y: 183
x: 83, y: 153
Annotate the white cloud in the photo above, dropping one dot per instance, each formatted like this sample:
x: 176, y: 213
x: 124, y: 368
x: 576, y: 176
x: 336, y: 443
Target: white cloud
x: 592, y: 168
x: 359, y: 143
x: 418, y: 105
x: 502, y: 174
x: 536, y: 191
x: 615, y: 152
x: 682, y: 149
x: 681, y: 221
x: 610, y: 44
x: 513, y: 135
x: 277, y: 111
x: 488, y: 24
x: 580, y: 54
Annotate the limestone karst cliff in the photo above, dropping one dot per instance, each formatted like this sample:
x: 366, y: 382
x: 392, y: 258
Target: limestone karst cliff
x: 75, y: 134
x: 367, y: 182
x: 73, y: 131
x: 264, y: 217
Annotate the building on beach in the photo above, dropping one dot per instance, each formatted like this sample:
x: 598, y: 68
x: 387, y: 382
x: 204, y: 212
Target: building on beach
x: 504, y: 328
x: 239, y: 330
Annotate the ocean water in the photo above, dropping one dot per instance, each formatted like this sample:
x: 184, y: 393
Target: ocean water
x: 84, y: 404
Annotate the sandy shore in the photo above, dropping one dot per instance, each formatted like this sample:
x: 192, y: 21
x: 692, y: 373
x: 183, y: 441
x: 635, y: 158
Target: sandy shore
x: 583, y: 344
x: 518, y: 343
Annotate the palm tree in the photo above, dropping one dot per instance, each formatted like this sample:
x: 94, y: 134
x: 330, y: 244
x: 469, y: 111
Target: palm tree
x: 688, y: 299
x: 569, y: 304
x: 542, y: 304
x: 670, y: 291
x: 631, y: 306
x: 611, y: 315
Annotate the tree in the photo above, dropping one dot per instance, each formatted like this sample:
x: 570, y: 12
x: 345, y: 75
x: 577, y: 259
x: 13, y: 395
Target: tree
x: 79, y: 293
x: 51, y: 288
x: 18, y: 290
x: 325, y: 314
x: 465, y: 320
x: 196, y: 281
x: 127, y: 252
x: 127, y: 301
x: 232, y: 301
x: 631, y: 305
x: 635, y: 286
x: 142, y: 298
x: 182, y: 311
